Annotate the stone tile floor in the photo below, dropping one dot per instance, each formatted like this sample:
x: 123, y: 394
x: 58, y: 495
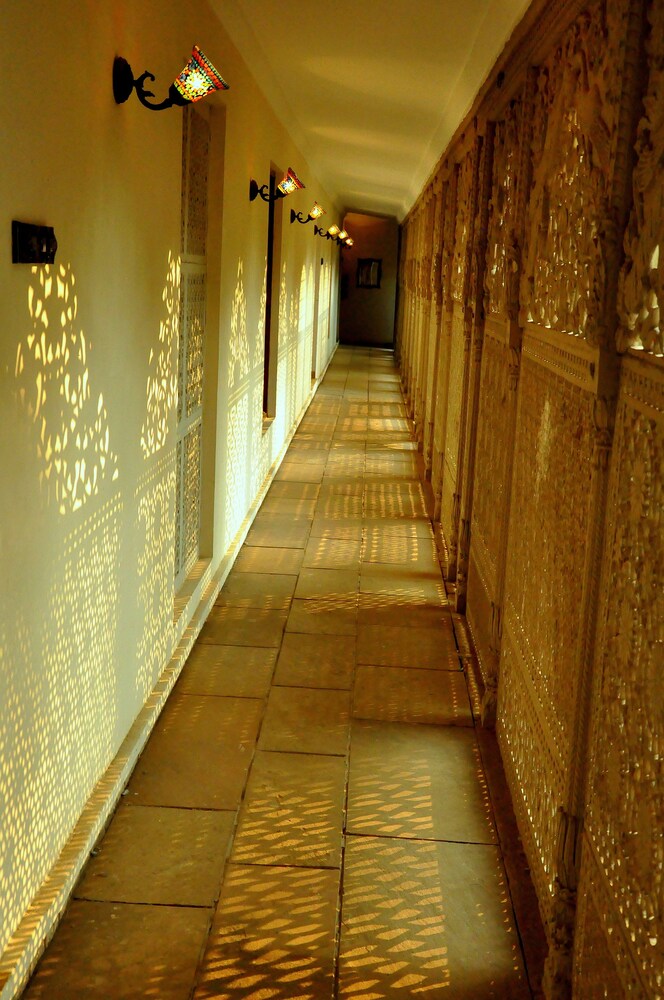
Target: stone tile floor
x: 316, y: 814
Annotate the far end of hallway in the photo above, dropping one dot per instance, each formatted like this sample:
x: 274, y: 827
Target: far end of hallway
x: 318, y: 813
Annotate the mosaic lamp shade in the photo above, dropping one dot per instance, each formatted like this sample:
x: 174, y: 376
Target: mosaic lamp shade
x: 343, y: 235
x: 199, y: 78
x: 316, y: 211
x: 333, y: 231
x: 350, y: 241
x: 290, y: 183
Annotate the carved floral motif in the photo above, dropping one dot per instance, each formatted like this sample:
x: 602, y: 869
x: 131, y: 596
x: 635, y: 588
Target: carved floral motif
x: 562, y: 287
x: 463, y: 226
x: 503, y: 252
x: 626, y: 809
x: 642, y: 276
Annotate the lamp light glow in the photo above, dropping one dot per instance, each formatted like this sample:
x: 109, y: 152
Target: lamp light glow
x: 316, y: 211
x: 343, y: 235
x: 290, y: 183
x: 350, y: 241
x: 333, y: 230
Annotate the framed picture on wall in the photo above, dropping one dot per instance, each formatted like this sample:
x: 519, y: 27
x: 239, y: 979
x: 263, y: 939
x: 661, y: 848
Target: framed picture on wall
x: 369, y: 272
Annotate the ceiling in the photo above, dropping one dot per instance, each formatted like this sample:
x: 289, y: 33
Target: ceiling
x: 371, y: 91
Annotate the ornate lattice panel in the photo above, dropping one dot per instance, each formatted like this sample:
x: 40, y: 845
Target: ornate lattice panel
x: 493, y: 444
x: 643, y: 271
x: 156, y: 527
x: 503, y: 255
x: 574, y: 139
x: 532, y: 766
x: 626, y: 808
x: 191, y: 496
x: 195, y: 182
x: 463, y: 226
x: 237, y: 473
x: 191, y: 353
x: 194, y: 328
x: 549, y: 525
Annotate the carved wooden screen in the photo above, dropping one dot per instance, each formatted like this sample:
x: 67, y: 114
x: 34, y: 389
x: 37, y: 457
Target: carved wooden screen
x: 497, y: 403
x: 620, y: 936
x: 460, y: 332
x: 195, y: 156
x: 559, y: 477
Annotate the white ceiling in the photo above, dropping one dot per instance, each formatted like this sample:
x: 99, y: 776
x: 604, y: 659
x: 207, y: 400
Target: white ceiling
x: 371, y: 90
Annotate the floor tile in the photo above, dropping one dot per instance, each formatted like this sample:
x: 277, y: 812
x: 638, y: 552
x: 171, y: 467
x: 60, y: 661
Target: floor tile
x: 403, y: 646
x: 299, y: 491
x: 404, y: 694
x: 341, y: 527
x: 292, y: 811
x: 273, y: 935
x: 126, y: 952
x: 267, y: 559
x: 324, y: 617
x: 427, y: 919
x: 333, y: 553
x: 401, y: 549
x: 397, y: 581
x: 300, y: 472
x: 269, y: 591
x: 199, y: 753
x: 406, y: 610
x: 151, y: 854
x: 240, y: 671
x: 418, y: 782
x: 288, y: 536
x: 292, y: 507
x: 327, y: 583
x: 306, y: 720
x: 243, y: 627
x: 317, y: 661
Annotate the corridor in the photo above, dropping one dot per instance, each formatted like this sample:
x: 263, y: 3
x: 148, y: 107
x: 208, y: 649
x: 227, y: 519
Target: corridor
x: 315, y: 814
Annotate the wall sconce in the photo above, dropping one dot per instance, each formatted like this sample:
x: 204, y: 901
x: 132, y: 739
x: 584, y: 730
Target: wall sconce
x: 197, y: 79
x: 347, y: 243
x: 340, y: 236
x: 314, y: 213
x: 289, y: 183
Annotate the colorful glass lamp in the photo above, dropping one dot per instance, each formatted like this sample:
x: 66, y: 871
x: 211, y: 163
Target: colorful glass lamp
x: 198, y: 79
x: 289, y: 183
x: 314, y: 213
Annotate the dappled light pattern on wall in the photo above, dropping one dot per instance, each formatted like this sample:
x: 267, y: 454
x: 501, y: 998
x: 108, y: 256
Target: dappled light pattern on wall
x: 238, y: 364
x: 72, y: 428
x: 156, y: 527
x: 162, y: 387
x: 58, y: 691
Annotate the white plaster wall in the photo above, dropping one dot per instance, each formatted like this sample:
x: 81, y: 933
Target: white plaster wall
x: 86, y: 614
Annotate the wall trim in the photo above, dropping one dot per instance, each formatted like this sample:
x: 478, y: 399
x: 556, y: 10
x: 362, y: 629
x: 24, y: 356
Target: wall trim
x: 40, y: 921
